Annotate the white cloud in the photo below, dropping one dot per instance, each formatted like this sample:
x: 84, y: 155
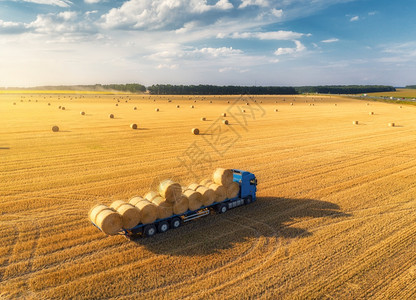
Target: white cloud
x: 167, y: 66
x: 333, y: 40
x: 261, y: 3
x: 11, y: 27
x: 60, y: 3
x: 283, y: 51
x: 92, y: 1
x: 354, y: 19
x: 372, y: 13
x: 159, y: 14
x: 271, y: 35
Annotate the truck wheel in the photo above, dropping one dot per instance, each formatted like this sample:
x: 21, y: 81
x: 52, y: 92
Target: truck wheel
x: 163, y: 226
x: 150, y: 230
x: 175, y: 223
x: 222, y: 208
x: 248, y: 200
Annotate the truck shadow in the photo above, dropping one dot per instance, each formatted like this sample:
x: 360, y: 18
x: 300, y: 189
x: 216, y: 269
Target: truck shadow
x: 272, y: 217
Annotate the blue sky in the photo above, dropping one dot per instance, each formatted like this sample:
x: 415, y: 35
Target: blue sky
x: 222, y: 42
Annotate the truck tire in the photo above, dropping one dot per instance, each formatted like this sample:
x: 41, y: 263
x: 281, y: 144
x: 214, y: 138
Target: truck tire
x: 222, y: 208
x: 248, y: 200
x: 175, y: 223
x: 163, y: 226
x: 149, y: 230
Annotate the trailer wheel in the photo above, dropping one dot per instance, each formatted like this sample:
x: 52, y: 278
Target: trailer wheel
x: 248, y: 200
x: 163, y: 226
x: 150, y: 230
x: 175, y: 223
x: 222, y: 208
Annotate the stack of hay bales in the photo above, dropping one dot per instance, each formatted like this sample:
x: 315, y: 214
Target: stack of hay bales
x: 148, y: 211
x: 130, y: 215
x: 224, y: 177
x: 208, y: 195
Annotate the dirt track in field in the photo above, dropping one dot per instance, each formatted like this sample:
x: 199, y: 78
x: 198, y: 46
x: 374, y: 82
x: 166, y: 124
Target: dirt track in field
x: 335, y: 216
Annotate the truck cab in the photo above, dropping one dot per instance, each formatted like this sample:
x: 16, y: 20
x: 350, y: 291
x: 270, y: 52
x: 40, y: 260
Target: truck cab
x: 247, y: 182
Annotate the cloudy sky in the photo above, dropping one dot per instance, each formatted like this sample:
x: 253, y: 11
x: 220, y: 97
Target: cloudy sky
x: 222, y: 42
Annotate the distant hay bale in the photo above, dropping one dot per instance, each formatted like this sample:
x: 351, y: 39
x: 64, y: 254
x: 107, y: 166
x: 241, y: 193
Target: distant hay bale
x: 116, y: 104
x: 177, y: 106
x: 156, y: 109
x: 225, y: 122
x: 164, y: 208
x: 335, y: 104
x: 233, y: 189
x: 291, y: 104
x: 243, y: 110
x: 148, y: 211
x: 208, y: 195
x: 220, y: 191
x: 82, y: 113
x: 133, y: 126
x: 130, y: 214
x: 276, y: 110
x: 63, y: 108
x: 194, y: 199
x: 224, y: 114
x: 59, y: 107
x: 247, y: 103
x: 135, y: 108
x: 391, y: 125
x: 371, y: 113
x: 181, y: 205
x: 223, y: 176
x: 400, y: 106
x: 203, y: 119
x: 195, y: 131
x: 355, y: 122
x: 109, y: 221
x: 49, y: 104
x: 111, y: 116
x: 367, y: 104
x: 192, y: 106
x: 210, y: 101
x: 55, y: 128
x: 170, y: 190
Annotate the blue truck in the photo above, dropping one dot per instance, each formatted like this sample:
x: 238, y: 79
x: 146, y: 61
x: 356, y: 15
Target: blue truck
x: 246, y: 195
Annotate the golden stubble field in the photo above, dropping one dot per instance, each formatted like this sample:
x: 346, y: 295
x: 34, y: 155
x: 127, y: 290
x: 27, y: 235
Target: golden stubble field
x: 335, y: 216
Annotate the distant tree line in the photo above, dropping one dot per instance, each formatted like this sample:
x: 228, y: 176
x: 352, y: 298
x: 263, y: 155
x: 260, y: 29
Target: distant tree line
x: 129, y: 87
x: 345, y: 89
x: 410, y: 86
x: 168, y: 89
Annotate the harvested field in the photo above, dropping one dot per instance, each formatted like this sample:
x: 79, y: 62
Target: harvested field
x: 335, y: 215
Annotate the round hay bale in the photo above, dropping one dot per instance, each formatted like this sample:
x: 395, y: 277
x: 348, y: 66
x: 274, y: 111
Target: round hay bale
x: 367, y: 104
x: 206, y: 182
x: 181, y: 205
x: 178, y: 106
x: 148, y: 211
x: 371, y: 113
x: 225, y: 122
x: 135, y: 108
x: 243, y: 110
x: 355, y: 122
x: 151, y: 195
x: 220, y: 191
x: 192, y: 106
x: 193, y: 186
x: 55, y: 128
x: 223, y: 177
x: 170, y: 190
x: 208, y: 195
x: 400, y: 106
x: 335, y: 104
x: 203, y: 119
x: 111, y: 116
x: 194, y: 199
x: 247, y: 103
x: 276, y: 110
x: 130, y: 214
x: 291, y: 104
x: 116, y: 104
x: 164, y: 208
x: 14, y: 103
x: 59, y: 107
x: 63, y: 108
x: 195, y: 131
x: 233, y: 189
x: 49, y: 104
x: 95, y: 210
x: 210, y: 101
x: 82, y: 113
x: 109, y: 221
x: 391, y: 124
x: 156, y: 109
x: 224, y: 114
x: 133, y: 126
